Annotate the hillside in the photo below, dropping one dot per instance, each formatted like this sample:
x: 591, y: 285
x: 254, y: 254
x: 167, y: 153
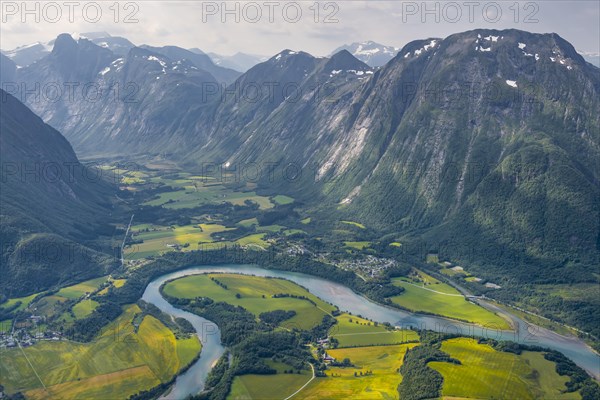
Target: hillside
x: 54, y: 212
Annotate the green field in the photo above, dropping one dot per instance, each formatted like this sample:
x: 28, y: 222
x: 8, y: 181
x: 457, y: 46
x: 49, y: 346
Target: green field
x: 49, y: 305
x: 80, y: 289
x: 270, y: 228
x: 253, y: 240
x: 25, y: 301
x: 352, y: 331
x: 486, y: 373
x: 341, y: 383
x: 282, y: 200
x: 548, y: 384
x: 119, y: 363
x: 193, y: 196
x: 5, y: 325
x: 113, y: 282
x: 84, y: 308
x: 289, y: 232
x: 251, y: 290
x: 430, y: 295
x: 248, y: 222
x: 357, y: 245
x: 160, y: 239
x: 356, y: 224
x: 266, y: 387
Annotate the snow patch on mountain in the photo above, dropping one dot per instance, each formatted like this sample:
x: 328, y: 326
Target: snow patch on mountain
x: 369, y: 52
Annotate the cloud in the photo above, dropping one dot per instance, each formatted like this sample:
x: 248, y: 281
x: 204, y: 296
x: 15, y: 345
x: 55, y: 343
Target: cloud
x: 196, y: 24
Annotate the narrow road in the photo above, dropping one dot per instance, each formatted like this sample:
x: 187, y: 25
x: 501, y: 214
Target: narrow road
x: 434, y: 291
x: 124, y: 239
x: 303, y: 386
x: 31, y: 365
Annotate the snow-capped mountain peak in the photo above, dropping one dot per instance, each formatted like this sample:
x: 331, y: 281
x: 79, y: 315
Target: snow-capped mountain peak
x: 369, y: 52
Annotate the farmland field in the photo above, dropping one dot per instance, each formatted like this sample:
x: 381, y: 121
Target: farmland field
x: 80, y: 289
x: 353, y: 331
x: 341, y: 383
x: 486, y: 373
x: 25, y: 301
x: 119, y: 363
x: 161, y: 239
x: 283, y: 200
x: 196, y: 193
x: 251, y: 290
x: 430, y: 295
x: 84, y: 308
x: 263, y: 387
x: 357, y: 245
x: 158, y: 240
x: 356, y: 224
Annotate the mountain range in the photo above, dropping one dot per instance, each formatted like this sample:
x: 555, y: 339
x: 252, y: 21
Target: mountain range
x: 485, y: 143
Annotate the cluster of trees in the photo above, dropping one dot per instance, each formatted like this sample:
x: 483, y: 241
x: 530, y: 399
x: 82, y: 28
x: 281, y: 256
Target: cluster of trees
x: 293, y: 296
x: 419, y: 381
x: 346, y: 362
x: 280, y: 213
x: 8, y: 312
x: 581, y: 313
x: 218, y: 282
x: 84, y: 330
x: 218, y: 382
x: 276, y: 317
x: 181, y: 327
x: 579, y: 379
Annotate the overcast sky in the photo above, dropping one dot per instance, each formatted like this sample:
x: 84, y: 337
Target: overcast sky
x: 266, y: 27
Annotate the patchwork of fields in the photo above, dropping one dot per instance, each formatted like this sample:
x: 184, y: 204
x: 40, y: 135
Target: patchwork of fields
x: 380, y: 382
x: 192, y: 191
x: 120, y: 362
x: 363, y: 358
x: 351, y: 331
x: 255, y: 295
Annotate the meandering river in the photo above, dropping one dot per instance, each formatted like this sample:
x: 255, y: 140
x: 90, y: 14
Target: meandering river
x: 192, y: 381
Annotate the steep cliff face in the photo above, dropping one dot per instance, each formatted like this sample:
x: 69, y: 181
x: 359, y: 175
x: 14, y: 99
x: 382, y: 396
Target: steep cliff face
x: 499, y: 145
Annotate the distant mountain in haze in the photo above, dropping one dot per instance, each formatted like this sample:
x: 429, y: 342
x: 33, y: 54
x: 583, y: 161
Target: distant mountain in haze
x: 592, y: 58
x: 239, y: 61
x: 222, y: 74
x: 28, y: 54
x: 371, y: 53
x: 8, y: 69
